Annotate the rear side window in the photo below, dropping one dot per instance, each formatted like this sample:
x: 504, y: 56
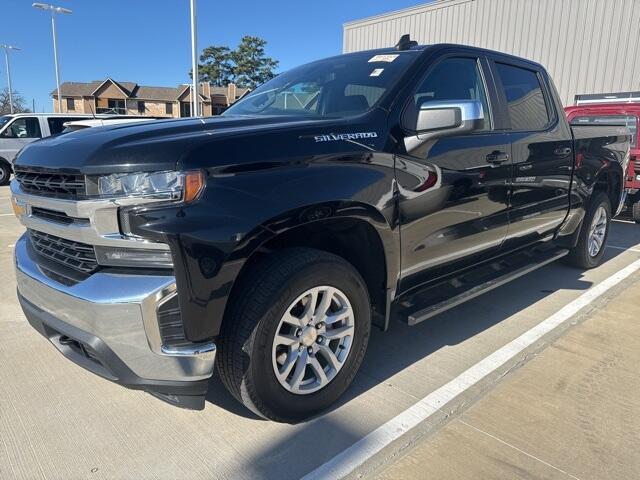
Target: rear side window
x: 526, y: 102
x: 56, y: 124
x: 629, y: 121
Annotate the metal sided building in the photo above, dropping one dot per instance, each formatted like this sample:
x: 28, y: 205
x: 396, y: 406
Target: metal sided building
x: 590, y: 47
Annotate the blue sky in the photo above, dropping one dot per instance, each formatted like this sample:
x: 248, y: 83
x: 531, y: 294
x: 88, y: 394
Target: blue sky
x: 147, y: 41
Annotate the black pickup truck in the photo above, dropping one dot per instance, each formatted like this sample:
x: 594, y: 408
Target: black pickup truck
x: 394, y: 183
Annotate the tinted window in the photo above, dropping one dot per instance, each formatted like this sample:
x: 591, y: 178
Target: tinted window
x: 526, y: 102
x: 450, y: 80
x: 629, y: 121
x: 56, y: 125
x: 71, y: 104
x: 168, y: 108
x: 141, y: 107
x: 26, y: 127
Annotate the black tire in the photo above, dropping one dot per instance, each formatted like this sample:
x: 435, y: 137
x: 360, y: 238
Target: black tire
x: 5, y: 173
x: 635, y: 211
x: 245, y: 344
x: 579, y: 256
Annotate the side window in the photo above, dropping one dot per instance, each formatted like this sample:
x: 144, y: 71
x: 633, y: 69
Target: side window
x: 450, y: 80
x: 26, y: 127
x: 56, y: 124
x: 526, y: 101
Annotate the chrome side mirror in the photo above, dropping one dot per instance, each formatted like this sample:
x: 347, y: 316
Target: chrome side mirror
x: 440, y: 119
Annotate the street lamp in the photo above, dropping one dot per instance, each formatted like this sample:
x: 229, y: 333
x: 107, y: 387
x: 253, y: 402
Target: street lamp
x: 194, y: 60
x: 54, y: 10
x: 6, y: 58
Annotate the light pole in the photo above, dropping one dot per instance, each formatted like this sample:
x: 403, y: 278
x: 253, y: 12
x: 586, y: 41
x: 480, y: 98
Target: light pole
x: 194, y: 61
x: 6, y: 58
x: 54, y: 10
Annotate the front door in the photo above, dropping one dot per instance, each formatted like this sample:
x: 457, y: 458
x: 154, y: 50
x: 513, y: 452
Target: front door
x: 453, y: 193
x: 17, y: 134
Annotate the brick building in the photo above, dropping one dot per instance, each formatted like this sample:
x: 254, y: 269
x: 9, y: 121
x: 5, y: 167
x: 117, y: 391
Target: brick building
x: 129, y: 98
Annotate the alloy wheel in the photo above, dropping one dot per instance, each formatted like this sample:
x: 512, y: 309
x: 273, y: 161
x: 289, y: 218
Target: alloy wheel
x: 313, y: 340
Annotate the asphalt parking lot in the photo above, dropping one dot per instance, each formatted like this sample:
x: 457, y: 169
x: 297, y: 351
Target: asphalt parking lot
x: 58, y: 421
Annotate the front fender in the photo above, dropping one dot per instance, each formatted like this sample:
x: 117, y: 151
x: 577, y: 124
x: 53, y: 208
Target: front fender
x: 212, y: 239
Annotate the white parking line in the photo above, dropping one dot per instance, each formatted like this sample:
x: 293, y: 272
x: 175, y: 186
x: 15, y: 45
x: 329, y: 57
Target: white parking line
x: 615, y: 247
x: 361, y: 451
x: 6, y: 214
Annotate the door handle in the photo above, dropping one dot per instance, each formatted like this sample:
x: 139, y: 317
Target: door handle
x: 497, y: 157
x: 562, y: 152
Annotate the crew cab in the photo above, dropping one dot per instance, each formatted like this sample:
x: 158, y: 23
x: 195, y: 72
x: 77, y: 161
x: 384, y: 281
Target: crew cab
x: 266, y: 242
x: 626, y: 114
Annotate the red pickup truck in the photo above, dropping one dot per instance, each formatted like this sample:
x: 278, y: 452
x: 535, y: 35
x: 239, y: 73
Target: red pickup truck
x: 619, y: 114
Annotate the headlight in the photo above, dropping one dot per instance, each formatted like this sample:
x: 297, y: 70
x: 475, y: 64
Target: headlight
x: 170, y: 185
x: 133, y: 257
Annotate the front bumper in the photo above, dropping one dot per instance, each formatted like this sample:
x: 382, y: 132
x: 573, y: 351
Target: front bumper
x: 108, y: 325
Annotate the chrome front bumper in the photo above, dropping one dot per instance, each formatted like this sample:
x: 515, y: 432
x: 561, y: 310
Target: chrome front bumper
x: 116, y: 314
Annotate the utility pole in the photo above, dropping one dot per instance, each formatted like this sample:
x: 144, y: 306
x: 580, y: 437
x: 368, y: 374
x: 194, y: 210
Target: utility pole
x: 6, y: 59
x: 195, y: 111
x: 54, y: 10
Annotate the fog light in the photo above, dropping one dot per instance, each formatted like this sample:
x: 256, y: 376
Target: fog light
x: 133, y: 257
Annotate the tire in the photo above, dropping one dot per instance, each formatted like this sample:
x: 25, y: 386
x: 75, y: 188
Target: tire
x: 580, y: 256
x: 5, y: 173
x: 635, y: 211
x: 249, y: 355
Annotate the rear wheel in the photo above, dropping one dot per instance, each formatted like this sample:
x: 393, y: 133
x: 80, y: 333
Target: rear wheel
x: 635, y: 211
x: 296, y: 335
x: 594, y: 232
x: 5, y: 173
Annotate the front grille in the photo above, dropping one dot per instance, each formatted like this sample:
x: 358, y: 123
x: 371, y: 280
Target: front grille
x: 51, y: 183
x: 58, y: 217
x: 76, y: 255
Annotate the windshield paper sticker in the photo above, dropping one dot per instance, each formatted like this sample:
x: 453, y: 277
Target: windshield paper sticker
x: 384, y: 58
x: 376, y: 72
x: 336, y: 137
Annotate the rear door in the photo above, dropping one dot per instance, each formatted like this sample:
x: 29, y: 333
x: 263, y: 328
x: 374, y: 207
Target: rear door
x: 541, y: 150
x: 453, y: 200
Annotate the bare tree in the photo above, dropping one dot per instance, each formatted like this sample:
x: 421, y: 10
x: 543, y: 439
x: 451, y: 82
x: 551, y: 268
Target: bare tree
x: 19, y: 104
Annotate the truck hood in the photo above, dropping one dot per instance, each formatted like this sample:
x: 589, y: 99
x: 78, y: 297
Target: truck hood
x: 170, y: 144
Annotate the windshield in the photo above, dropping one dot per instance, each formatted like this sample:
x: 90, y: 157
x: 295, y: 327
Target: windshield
x: 334, y: 87
x: 4, y: 119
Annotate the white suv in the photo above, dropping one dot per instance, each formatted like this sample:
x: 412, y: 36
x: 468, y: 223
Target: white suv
x: 22, y: 128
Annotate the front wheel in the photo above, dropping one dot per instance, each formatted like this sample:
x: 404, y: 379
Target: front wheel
x: 296, y: 334
x: 593, y: 235
x: 5, y: 173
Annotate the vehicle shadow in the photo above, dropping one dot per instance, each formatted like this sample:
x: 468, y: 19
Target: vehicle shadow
x: 393, y: 351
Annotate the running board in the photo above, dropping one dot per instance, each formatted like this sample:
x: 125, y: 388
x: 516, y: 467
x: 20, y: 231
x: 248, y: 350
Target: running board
x: 439, y: 298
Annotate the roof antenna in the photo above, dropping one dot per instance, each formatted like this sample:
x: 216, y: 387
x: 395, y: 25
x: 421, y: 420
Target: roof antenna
x: 93, y: 114
x: 405, y: 42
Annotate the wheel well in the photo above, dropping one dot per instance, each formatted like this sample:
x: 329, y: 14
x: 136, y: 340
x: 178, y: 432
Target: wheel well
x: 356, y: 241
x: 610, y: 183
